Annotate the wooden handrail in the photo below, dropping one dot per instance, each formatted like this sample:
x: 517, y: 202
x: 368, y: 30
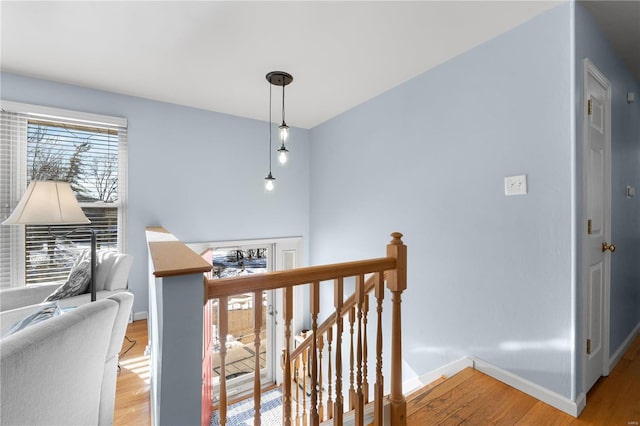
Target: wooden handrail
x: 303, y: 366
x: 331, y: 320
x: 170, y: 256
x: 285, y: 279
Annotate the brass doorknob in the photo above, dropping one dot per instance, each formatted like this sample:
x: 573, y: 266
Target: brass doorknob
x: 609, y: 247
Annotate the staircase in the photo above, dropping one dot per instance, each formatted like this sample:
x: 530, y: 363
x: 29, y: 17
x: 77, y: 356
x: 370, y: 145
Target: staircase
x: 335, y: 375
x: 350, y: 320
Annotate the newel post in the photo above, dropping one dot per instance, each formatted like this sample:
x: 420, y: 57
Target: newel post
x: 397, y: 283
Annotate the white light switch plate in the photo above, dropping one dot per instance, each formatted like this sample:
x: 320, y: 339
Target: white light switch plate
x: 515, y: 185
x: 631, y: 191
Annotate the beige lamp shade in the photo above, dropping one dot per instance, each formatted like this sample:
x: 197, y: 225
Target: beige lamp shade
x: 47, y: 203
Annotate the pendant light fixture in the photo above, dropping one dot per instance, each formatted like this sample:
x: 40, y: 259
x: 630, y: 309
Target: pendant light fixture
x: 281, y: 78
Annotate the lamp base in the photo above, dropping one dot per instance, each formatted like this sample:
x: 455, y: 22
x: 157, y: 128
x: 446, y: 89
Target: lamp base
x: 92, y: 283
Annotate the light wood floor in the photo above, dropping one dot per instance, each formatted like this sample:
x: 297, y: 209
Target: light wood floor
x: 469, y: 397
x: 473, y: 398
x: 132, y: 389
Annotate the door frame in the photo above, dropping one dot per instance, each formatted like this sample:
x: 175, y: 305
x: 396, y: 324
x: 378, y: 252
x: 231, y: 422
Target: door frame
x: 590, y: 70
x: 279, y: 248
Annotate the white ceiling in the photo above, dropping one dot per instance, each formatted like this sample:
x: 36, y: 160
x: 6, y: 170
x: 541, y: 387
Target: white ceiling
x: 214, y: 55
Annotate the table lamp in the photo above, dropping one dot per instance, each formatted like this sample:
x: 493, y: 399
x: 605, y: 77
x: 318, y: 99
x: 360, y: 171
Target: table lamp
x: 53, y: 203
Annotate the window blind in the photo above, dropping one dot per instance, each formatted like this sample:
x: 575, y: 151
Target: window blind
x: 13, y: 131
x: 92, y: 158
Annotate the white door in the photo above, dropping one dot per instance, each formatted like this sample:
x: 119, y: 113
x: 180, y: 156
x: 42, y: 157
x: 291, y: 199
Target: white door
x: 231, y: 258
x: 597, y: 199
x: 243, y: 258
x: 288, y: 255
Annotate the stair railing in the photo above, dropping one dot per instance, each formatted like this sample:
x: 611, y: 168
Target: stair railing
x: 344, y: 311
x: 303, y: 364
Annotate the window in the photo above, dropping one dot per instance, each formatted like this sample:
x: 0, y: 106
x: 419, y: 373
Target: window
x: 87, y: 151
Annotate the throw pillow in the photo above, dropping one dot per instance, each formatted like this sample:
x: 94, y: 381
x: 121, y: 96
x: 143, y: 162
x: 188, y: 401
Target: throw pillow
x: 76, y: 283
x: 44, y: 312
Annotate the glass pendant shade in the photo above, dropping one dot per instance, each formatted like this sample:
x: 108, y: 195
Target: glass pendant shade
x: 284, y: 132
x: 283, y: 155
x: 269, y: 182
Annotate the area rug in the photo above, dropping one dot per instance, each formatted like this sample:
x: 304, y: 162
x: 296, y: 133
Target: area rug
x: 241, y: 413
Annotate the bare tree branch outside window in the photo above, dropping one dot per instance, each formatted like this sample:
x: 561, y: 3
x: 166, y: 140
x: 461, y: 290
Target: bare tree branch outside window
x: 104, y: 175
x: 87, y: 158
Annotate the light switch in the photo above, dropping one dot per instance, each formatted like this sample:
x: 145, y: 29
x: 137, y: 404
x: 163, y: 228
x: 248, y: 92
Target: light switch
x: 631, y: 191
x: 515, y: 185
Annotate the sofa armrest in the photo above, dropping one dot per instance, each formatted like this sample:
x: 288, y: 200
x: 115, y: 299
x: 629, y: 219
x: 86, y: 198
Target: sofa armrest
x: 52, y: 372
x: 12, y: 298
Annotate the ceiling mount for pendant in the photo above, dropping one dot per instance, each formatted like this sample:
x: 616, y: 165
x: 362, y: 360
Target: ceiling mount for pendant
x: 279, y: 78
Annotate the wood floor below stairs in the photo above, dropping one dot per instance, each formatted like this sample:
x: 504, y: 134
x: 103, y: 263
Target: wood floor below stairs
x: 470, y: 397
x: 473, y: 398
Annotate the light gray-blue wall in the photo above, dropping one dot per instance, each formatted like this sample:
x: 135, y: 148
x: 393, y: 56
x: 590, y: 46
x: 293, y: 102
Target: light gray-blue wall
x: 625, y: 169
x: 489, y: 276
x: 197, y: 173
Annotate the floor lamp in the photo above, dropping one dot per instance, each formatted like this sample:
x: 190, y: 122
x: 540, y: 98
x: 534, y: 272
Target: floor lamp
x: 53, y: 203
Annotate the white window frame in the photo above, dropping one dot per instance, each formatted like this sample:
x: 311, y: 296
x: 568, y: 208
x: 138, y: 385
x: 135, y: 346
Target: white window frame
x: 82, y: 118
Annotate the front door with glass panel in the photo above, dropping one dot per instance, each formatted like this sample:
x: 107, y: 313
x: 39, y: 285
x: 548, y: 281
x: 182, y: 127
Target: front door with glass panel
x: 240, y: 344
x: 234, y: 258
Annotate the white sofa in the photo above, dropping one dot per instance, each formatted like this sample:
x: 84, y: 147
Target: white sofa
x: 62, y: 371
x: 112, y: 274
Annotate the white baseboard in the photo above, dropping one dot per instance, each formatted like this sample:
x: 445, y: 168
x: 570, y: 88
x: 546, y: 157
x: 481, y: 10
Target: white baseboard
x: 140, y: 315
x: 623, y: 347
x: 538, y: 392
x: 581, y: 402
x: 447, y: 370
x: 534, y: 390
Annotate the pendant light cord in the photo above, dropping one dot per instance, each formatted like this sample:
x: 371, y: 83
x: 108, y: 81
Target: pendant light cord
x: 270, y: 85
x: 283, y: 85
